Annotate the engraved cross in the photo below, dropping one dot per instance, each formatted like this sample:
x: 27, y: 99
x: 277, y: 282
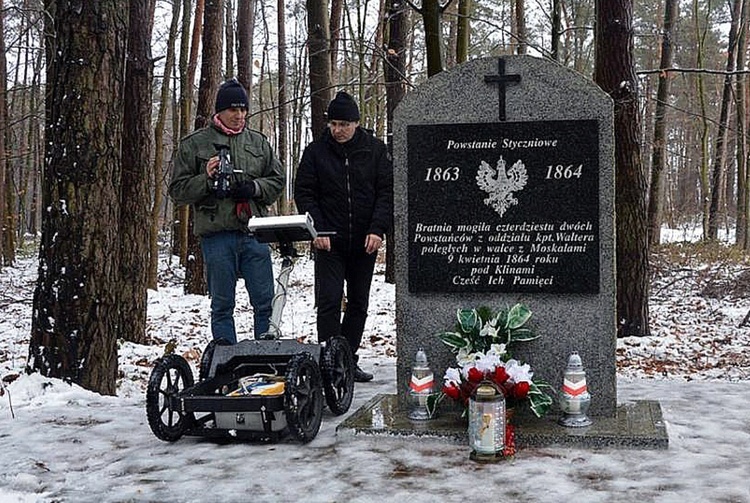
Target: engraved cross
x: 502, y: 80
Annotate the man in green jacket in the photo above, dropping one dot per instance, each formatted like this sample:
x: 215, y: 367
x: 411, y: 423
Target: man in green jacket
x: 223, y: 204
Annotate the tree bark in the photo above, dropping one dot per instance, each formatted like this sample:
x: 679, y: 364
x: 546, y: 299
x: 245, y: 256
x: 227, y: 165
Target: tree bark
x: 283, y: 133
x: 245, y: 30
x: 135, y: 195
x: 3, y: 129
x: 658, y: 154
x: 615, y: 74
x: 337, y: 11
x: 555, y: 31
x: 74, y: 332
x: 521, y: 36
x: 433, y: 39
x: 464, y: 31
x: 742, y: 154
x: 188, y: 64
x: 719, y: 169
x: 320, y: 63
x: 229, y: 46
x: 158, y: 169
x: 195, y: 281
x: 703, y: 170
x: 395, y: 86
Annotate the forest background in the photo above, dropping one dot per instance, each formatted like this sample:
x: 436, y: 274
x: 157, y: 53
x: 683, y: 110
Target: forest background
x: 94, y: 97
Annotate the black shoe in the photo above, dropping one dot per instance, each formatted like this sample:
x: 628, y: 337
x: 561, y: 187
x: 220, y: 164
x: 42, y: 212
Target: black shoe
x: 360, y: 375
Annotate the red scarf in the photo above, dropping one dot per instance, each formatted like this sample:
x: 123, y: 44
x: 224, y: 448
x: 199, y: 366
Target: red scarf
x: 224, y: 129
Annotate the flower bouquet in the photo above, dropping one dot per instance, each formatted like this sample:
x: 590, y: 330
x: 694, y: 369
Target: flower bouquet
x: 481, y: 342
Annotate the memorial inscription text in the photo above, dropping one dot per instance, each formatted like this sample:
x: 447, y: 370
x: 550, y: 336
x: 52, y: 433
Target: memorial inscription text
x: 506, y: 207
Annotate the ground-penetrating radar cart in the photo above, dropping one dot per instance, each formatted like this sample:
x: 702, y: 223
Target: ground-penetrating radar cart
x: 256, y: 389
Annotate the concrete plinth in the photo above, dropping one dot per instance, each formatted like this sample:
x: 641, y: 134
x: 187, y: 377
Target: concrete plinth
x: 636, y: 425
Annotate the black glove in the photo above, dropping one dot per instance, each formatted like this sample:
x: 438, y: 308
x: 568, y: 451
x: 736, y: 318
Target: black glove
x: 243, y: 191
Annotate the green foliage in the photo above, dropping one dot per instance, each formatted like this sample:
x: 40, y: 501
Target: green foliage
x: 540, y: 397
x: 478, y: 329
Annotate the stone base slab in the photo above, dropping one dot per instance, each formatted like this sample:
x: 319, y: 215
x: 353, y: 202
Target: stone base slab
x: 636, y: 425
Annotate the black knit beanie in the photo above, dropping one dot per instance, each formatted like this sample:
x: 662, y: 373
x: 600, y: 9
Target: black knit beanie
x: 343, y: 108
x: 231, y: 95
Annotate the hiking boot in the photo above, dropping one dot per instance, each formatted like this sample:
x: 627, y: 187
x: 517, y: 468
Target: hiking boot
x: 360, y: 375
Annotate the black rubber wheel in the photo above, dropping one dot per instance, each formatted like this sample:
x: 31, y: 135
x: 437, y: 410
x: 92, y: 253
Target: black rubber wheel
x: 303, y: 397
x: 208, y: 356
x: 338, y: 375
x: 171, y: 376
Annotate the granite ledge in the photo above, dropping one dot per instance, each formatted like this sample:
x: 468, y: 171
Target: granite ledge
x: 636, y: 425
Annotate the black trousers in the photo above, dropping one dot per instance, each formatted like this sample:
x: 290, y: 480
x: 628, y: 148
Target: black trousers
x: 333, y: 270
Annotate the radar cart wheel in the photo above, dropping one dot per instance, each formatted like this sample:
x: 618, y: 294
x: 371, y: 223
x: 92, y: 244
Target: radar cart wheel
x: 303, y: 397
x: 338, y: 375
x: 169, y: 378
x: 208, y: 356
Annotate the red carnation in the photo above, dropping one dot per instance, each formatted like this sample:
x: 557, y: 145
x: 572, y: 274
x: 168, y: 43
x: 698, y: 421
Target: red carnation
x: 501, y: 375
x: 452, y: 391
x: 520, y: 390
x: 475, y: 375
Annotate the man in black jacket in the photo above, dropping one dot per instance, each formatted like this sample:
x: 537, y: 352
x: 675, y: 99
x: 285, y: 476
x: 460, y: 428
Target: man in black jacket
x: 345, y: 182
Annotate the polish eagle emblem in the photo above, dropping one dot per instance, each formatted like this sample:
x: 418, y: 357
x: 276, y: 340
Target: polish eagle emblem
x: 500, y: 184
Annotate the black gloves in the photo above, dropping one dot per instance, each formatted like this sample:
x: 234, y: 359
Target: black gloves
x: 243, y: 191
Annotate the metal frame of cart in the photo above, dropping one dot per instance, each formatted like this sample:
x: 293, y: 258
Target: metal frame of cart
x: 312, y: 373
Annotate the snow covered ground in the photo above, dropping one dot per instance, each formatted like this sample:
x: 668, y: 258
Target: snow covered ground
x: 62, y: 443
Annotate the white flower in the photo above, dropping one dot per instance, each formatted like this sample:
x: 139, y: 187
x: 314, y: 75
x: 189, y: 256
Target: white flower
x: 488, y: 362
x: 498, y: 349
x: 488, y: 330
x: 517, y: 372
x: 452, y: 377
x: 464, y: 358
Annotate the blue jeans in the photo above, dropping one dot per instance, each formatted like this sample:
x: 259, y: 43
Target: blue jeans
x: 229, y: 256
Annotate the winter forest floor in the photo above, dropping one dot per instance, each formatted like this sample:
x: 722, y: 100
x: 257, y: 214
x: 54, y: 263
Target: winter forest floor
x: 104, y: 451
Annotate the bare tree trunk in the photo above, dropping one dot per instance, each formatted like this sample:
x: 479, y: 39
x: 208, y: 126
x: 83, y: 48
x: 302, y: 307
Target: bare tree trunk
x: 17, y: 180
x: 741, y: 150
x: 188, y: 64
x: 192, y: 63
x: 615, y: 74
x: 158, y: 169
x: 3, y: 130
x: 703, y: 169
x: 263, y: 66
x: 431, y: 12
x: 135, y: 195
x: 374, y: 93
x: 556, y: 29
x: 283, y: 148
x: 320, y: 63
x: 229, y: 33
x: 658, y: 155
x: 337, y: 10
x: 73, y: 331
x: 195, y: 281
x: 395, y: 85
x: 464, y: 31
x: 521, y: 36
x: 718, y: 172
x: 451, y: 44
x: 180, y: 213
x: 245, y: 30
x: 36, y: 140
